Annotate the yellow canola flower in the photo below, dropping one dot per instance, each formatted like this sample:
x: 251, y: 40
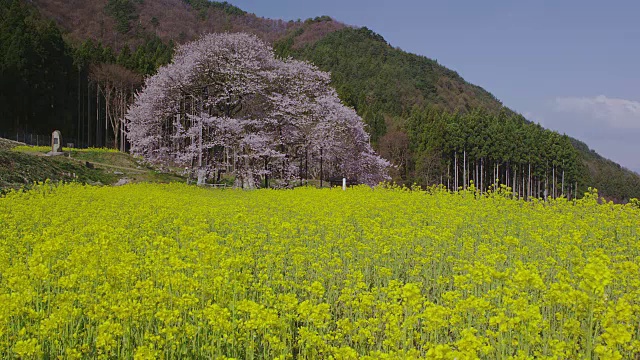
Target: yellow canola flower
x: 173, y: 271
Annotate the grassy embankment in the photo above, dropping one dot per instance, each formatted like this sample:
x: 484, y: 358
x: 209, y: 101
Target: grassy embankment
x: 22, y: 165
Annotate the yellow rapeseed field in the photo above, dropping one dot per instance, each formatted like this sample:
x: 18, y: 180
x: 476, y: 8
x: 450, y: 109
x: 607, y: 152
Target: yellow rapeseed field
x: 172, y: 271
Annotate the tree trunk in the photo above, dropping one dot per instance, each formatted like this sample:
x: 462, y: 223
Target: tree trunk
x: 79, y: 108
x: 455, y: 171
x: 464, y: 169
x: 563, y: 177
x: 97, y: 114
x: 553, y: 180
x: 107, y: 100
x: 529, y: 189
x: 88, y: 114
x: 521, y: 183
x: 481, y: 175
x: 514, y: 184
x: 475, y: 178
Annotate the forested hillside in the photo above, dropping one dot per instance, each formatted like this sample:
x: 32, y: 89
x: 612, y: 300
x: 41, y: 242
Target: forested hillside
x: 75, y: 65
x: 415, y: 109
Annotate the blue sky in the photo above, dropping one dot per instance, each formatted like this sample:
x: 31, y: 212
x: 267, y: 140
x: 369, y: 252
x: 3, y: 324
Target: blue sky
x: 572, y: 66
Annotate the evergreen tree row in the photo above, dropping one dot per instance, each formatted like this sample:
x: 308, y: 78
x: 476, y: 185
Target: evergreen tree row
x: 486, y: 149
x: 36, y: 71
x: 47, y: 83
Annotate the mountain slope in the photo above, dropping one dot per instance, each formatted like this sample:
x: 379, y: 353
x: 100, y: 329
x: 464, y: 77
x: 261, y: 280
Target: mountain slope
x: 120, y: 22
x: 384, y: 84
x: 370, y: 72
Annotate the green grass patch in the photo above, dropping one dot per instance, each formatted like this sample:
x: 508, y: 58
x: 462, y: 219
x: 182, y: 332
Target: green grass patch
x: 21, y: 166
x: 19, y: 170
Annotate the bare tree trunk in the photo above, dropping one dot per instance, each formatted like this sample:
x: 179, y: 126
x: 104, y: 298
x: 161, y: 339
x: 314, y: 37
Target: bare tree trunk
x: 200, y: 136
x: 455, y: 171
x: 97, y: 114
x: 79, y: 108
x: 481, y: 175
x: 546, y: 182
x: 529, y: 189
x: 464, y: 169
x: 563, y: 180
x: 88, y: 114
x: 107, y: 100
x: 475, y: 178
x: 553, y: 180
x: 514, y: 184
x: 522, y: 188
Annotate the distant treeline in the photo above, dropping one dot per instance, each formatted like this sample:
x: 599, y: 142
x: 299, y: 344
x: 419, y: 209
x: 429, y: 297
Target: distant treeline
x: 485, y: 149
x: 49, y: 83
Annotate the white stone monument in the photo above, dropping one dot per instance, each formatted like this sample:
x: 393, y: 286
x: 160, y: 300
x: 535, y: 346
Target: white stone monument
x: 56, y: 144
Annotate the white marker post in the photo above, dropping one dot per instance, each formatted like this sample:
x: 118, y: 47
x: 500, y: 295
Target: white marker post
x: 344, y: 184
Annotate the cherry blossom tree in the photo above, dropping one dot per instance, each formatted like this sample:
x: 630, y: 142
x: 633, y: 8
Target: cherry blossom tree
x: 226, y: 104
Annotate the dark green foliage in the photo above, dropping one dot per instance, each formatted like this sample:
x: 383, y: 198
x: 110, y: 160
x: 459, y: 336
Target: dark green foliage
x: 367, y: 72
x: 227, y: 8
x: 145, y: 60
x: 44, y: 82
x: 318, y: 19
x: 203, y: 5
x: 93, y: 53
x: 376, y: 126
x: 36, y: 71
x: 147, y: 57
x: 611, y: 180
x: 370, y: 74
x: 518, y: 148
x: 123, y: 12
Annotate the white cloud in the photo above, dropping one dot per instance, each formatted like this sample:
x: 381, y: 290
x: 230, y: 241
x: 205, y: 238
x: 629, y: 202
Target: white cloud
x: 616, y: 113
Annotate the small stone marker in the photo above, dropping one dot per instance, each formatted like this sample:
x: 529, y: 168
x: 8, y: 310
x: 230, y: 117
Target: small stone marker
x: 56, y: 142
x: 344, y: 184
x: 202, y: 176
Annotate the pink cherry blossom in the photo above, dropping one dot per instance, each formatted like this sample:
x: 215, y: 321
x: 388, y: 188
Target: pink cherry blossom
x: 227, y: 105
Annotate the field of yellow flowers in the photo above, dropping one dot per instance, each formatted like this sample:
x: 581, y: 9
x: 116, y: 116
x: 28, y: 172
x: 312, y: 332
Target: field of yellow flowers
x: 171, y: 271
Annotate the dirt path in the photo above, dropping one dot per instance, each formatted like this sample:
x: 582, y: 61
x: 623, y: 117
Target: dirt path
x: 139, y: 171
